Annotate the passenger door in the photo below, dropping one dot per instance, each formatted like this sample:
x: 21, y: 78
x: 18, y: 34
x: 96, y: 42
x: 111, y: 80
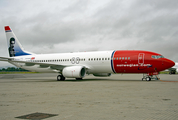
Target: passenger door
x: 141, y: 58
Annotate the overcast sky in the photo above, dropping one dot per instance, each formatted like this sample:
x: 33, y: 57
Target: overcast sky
x: 52, y: 26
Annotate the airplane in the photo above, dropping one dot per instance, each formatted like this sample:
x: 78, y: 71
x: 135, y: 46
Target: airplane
x: 174, y: 69
x: 78, y: 64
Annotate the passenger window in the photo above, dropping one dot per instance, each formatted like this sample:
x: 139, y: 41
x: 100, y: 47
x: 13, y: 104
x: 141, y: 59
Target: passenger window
x: 119, y: 58
x: 122, y: 58
x: 128, y: 58
x: 125, y: 58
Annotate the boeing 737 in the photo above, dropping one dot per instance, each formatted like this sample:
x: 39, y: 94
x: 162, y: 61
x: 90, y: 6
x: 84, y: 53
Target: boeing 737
x: 77, y: 65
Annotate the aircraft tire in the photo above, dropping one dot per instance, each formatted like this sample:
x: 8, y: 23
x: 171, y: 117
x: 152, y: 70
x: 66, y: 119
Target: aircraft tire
x: 148, y: 78
x: 60, y: 78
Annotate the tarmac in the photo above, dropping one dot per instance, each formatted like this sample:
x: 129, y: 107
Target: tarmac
x: 119, y: 97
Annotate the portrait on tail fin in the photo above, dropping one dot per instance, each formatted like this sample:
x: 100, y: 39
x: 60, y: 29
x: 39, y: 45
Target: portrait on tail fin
x: 11, y: 47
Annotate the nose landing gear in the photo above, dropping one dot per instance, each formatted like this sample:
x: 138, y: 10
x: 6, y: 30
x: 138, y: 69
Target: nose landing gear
x: 149, y: 77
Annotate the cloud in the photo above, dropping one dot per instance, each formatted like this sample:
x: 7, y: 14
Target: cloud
x: 77, y: 25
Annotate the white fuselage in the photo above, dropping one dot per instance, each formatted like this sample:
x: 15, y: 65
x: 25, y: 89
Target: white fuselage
x: 95, y: 62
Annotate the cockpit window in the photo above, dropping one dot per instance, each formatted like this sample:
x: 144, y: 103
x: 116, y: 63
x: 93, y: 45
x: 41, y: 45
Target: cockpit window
x: 157, y: 56
x: 153, y: 56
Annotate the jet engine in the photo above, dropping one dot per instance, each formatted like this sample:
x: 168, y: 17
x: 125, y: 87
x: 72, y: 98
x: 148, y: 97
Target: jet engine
x: 74, y: 72
x: 102, y: 74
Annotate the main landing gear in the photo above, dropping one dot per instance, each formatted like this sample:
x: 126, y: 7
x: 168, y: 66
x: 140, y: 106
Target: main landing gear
x: 60, y: 78
x: 149, y: 77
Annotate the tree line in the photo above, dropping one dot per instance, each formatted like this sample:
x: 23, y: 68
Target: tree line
x: 11, y: 69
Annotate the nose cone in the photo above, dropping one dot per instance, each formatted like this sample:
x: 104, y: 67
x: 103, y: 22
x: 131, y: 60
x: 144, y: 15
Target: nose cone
x: 168, y: 63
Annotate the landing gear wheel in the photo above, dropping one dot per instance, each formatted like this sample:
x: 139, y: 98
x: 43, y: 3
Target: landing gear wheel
x: 60, y: 78
x: 148, y: 78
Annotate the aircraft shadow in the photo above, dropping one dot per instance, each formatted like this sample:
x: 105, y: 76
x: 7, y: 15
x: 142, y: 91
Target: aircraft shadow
x: 68, y: 80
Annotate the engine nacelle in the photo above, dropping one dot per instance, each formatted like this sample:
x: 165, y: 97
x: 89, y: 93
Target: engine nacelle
x: 102, y: 74
x: 74, y: 72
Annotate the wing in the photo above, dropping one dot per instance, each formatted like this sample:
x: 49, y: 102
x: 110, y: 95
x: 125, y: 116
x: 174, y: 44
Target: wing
x: 29, y: 63
x: 41, y: 65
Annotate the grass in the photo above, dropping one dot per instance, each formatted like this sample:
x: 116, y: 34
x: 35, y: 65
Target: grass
x: 21, y: 72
